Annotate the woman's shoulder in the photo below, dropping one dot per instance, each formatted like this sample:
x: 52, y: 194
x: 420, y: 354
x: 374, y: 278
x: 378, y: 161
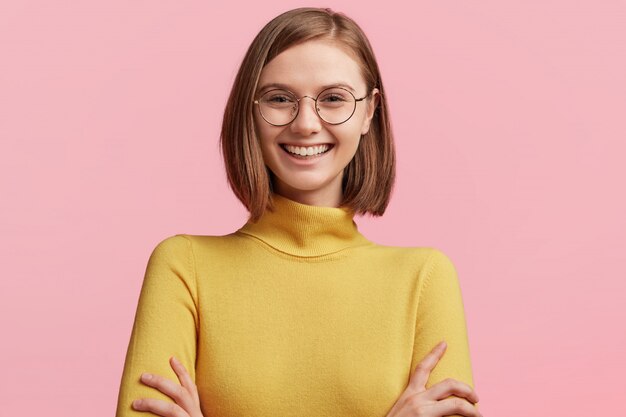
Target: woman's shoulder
x: 417, y: 256
x: 186, y: 239
x: 426, y: 253
x: 195, y: 242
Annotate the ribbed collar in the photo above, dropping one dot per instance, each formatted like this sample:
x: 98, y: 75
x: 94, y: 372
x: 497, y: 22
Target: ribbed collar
x: 303, y: 230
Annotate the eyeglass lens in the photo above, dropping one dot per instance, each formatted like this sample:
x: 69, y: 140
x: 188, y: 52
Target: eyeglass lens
x: 334, y: 105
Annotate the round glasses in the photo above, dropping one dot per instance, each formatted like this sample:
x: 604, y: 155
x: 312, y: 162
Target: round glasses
x: 334, y: 105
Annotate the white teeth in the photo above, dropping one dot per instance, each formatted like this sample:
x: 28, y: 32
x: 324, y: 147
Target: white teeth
x: 306, y: 151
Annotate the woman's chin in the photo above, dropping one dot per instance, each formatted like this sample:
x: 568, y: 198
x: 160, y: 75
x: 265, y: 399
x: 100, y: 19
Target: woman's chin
x: 308, y: 184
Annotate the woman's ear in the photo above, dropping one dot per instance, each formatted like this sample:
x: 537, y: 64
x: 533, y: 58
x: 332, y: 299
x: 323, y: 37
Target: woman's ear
x: 372, y: 104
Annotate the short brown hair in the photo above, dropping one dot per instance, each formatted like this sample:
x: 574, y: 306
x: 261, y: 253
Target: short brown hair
x: 368, y: 178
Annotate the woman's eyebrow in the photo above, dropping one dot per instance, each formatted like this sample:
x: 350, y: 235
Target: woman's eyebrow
x: 286, y: 87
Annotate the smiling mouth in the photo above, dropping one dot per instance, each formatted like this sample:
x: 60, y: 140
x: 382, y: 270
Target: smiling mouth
x: 307, y: 151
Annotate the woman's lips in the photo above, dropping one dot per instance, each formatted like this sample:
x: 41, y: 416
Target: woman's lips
x: 306, y: 152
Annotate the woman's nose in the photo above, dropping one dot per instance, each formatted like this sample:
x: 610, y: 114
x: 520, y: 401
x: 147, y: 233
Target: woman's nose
x: 307, y: 121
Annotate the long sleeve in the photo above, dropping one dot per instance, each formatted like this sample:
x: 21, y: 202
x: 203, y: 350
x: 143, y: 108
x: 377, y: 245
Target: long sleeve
x: 166, y: 323
x: 441, y: 316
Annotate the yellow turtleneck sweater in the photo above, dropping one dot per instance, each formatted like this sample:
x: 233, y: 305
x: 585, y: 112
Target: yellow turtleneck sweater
x: 295, y: 315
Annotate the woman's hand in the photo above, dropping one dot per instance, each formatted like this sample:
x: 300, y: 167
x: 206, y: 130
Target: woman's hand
x: 187, y: 401
x: 416, y: 400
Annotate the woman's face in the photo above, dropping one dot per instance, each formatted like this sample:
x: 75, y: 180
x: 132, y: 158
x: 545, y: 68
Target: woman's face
x: 306, y: 69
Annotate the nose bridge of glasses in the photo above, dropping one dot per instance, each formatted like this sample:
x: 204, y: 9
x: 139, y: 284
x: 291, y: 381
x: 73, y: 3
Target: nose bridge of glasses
x: 312, y: 98
x: 314, y: 103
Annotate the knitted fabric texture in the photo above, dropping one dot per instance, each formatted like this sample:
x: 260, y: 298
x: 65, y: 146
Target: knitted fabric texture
x: 295, y: 315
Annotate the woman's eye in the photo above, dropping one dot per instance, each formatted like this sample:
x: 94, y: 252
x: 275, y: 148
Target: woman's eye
x: 333, y: 98
x: 280, y: 99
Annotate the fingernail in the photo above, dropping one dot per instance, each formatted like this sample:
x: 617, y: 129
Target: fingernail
x: 146, y: 377
x: 137, y: 403
x: 175, y: 360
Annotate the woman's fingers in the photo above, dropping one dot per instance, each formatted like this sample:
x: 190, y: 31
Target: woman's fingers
x: 448, y: 397
x: 451, y: 386
x: 422, y: 370
x: 159, y: 407
x: 185, y: 379
x: 176, y: 392
x: 455, y: 405
x: 163, y: 384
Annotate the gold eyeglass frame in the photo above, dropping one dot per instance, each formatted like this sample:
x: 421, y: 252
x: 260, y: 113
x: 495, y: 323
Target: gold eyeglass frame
x: 356, y: 100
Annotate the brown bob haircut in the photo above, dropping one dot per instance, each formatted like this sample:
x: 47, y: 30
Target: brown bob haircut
x: 368, y: 178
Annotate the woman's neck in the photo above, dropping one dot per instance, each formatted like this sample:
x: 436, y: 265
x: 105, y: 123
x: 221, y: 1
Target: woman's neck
x: 305, y: 230
x: 329, y: 196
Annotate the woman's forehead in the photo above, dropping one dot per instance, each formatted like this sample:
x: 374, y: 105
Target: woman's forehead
x: 313, y: 64
x: 282, y: 86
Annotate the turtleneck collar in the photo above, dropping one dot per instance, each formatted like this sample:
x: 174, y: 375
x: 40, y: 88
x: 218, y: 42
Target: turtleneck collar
x: 306, y: 231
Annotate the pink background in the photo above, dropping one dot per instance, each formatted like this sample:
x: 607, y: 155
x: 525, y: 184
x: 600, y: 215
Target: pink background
x: 510, y: 125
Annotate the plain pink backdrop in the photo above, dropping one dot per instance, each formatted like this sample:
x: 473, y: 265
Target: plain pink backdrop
x: 509, y: 119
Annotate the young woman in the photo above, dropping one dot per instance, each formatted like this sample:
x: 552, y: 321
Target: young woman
x: 297, y: 313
